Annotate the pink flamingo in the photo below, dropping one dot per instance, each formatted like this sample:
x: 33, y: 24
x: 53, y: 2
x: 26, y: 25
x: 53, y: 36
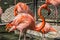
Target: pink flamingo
x: 21, y: 22
x: 22, y: 8
x: 55, y: 3
x: 47, y: 28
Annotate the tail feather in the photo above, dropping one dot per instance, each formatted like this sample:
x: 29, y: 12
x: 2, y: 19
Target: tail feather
x: 53, y: 29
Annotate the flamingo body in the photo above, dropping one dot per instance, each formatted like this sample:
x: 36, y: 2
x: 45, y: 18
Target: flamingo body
x: 53, y: 2
x: 47, y: 28
x: 22, y: 21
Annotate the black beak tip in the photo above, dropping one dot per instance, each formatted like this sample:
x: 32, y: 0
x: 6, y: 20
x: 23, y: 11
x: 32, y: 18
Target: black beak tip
x: 49, y: 13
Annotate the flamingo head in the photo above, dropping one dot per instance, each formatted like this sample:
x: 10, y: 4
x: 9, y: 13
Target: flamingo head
x: 8, y: 26
x: 49, y: 13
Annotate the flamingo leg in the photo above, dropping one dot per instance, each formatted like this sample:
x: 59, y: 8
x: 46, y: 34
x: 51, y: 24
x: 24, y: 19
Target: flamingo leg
x: 20, y: 35
x: 24, y: 36
x: 43, y: 37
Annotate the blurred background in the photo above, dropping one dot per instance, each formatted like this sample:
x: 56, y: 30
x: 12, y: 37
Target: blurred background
x: 8, y: 6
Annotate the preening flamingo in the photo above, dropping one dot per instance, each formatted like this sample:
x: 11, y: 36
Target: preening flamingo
x: 22, y: 7
x: 21, y: 22
x: 55, y: 3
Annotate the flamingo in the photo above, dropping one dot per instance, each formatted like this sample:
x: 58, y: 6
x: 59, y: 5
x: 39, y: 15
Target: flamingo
x: 47, y: 28
x: 55, y: 3
x: 20, y: 7
x: 21, y: 22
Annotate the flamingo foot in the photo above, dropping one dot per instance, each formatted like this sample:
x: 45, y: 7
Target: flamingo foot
x: 19, y: 36
x: 43, y: 37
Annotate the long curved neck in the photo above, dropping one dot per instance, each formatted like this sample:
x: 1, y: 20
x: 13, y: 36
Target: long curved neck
x: 43, y: 19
